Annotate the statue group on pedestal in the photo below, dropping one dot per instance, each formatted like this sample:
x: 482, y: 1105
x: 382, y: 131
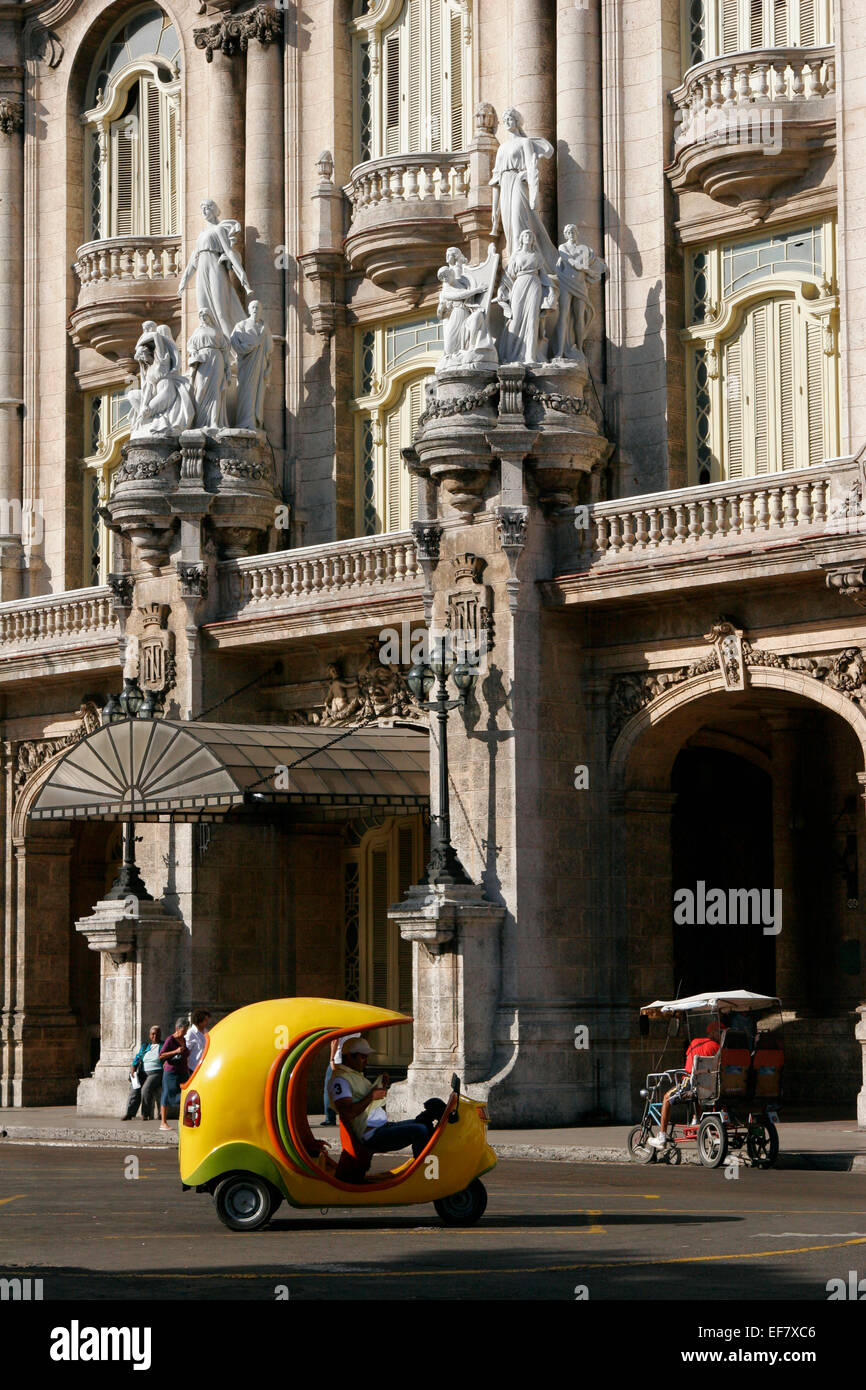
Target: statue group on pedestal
x: 228, y: 339
x: 544, y: 292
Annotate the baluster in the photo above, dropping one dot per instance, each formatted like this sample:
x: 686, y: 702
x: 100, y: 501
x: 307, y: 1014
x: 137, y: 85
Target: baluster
x: 748, y: 513
x: 761, y: 90
x: 716, y: 88
x: 707, y: 526
x: 775, y: 509
x: 804, y: 503
x: 728, y: 86
x: 819, y: 500
x: 395, y: 191
x: 124, y: 262
x: 720, y: 507
x: 379, y: 562
x: 654, y: 528
x: 411, y: 561
x: 641, y: 518
x: 797, y: 66
x: 694, y: 526
x: 830, y: 77
x: 628, y: 532
x: 412, y: 195
x: 813, y: 80
x: 680, y: 529
x: 743, y: 85
x: 790, y: 506
x: 615, y: 534
x: 778, y: 82
x: 667, y: 525
x: 602, y: 540
x: 761, y: 513
x: 735, y: 517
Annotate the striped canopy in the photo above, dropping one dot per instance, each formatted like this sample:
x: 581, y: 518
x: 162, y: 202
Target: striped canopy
x: 163, y: 769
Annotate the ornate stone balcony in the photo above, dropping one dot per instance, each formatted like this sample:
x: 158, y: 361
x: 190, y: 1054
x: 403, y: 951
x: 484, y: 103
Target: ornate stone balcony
x: 125, y: 280
x: 344, y: 585
x: 404, y: 211
x: 748, y: 122
x: 782, y: 523
x: 58, y: 633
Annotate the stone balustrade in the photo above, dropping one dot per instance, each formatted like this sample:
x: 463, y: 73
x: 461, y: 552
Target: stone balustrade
x: 129, y: 258
x: 777, y: 507
x: 56, y: 620
x: 718, y: 95
x: 345, y: 570
x: 413, y: 178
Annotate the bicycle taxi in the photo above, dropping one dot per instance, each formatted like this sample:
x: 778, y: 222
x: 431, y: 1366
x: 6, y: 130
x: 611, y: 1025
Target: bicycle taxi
x: 726, y: 1101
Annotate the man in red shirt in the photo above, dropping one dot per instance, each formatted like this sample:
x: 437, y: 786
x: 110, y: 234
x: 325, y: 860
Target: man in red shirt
x: 684, y: 1090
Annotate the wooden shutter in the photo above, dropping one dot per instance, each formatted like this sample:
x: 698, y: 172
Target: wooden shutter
x: 784, y: 376
x: 732, y: 388
x: 172, y: 167
x: 814, y: 392
x: 756, y: 23
x: 152, y: 172
x: 393, y: 470
x: 780, y: 23
x: 378, y: 971
x: 730, y: 27
x: 808, y: 22
x: 435, y: 64
x: 414, y: 80
x: 123, y: 181
x: 455, y: 78
x: 392, y: 94
x: 416, y: 409
x: 756, y: 417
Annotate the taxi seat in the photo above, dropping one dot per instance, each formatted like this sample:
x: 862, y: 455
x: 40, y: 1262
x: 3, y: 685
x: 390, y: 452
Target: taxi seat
x: 355, y: 1159
x: 735, y: 1065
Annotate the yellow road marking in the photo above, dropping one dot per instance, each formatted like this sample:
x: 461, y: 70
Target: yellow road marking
x: 16, y: 1198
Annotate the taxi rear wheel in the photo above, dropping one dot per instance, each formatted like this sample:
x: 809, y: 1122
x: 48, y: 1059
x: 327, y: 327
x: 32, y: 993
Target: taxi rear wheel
x: 245, y: 1202
x: 463, y: 1208
x: 712, y: 1141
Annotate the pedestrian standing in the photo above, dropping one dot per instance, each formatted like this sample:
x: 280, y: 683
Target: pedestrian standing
x: 145, y: 1077
x: 196, y: 1035
x: 174, y: 1054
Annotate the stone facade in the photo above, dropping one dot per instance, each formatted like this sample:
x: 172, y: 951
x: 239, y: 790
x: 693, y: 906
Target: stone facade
x: 674, y: 675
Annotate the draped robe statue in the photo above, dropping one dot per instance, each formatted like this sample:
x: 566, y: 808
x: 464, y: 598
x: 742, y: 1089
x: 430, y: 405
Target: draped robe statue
x: 576, y: 268
x: 212, y: 262
x: 162, y: 403
x: 253, y: 344
x: 515, y: 188
x: 209, y: 359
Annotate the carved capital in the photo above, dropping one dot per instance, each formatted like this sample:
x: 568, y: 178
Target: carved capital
x: 122, y: 588
x: 193, y: 580
x: 428, y: 538
x: 235, y: 33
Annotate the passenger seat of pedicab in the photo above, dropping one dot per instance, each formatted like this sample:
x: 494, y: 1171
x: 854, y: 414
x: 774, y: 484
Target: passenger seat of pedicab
x: 768, y: 1064
x: 735, y: 1064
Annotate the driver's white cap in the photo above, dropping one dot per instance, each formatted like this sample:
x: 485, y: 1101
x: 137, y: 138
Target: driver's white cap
x: 358, y: 1044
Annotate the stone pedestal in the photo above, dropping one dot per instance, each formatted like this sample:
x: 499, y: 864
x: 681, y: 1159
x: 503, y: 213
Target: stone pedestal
x: 860, y: 1035
x: 455, y: 932
x: 139, y: 946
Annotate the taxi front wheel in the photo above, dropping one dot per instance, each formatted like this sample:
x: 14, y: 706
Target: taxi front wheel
x: 463, y: 1208
x: 245, y: 1202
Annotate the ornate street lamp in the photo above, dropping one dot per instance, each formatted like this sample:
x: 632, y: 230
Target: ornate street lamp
x: 444, y: 867
x: 129, y: 882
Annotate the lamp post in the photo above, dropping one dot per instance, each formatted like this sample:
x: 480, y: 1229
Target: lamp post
x: 444, y: 867
x: 131, y: 703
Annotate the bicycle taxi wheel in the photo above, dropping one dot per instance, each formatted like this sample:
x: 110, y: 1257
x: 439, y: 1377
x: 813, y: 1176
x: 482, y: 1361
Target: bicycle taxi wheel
x: 712, y: 1141
x: 638, y: 1147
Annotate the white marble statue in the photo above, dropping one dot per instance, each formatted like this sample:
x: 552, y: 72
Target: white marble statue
x: 527, y: 292
x: 515, y: 188
x: 577, y: 267
x: 212, y: 261
x: 253, y: 344
x: 209, y: 359
x: 162, y: 403
x: 464, y: 302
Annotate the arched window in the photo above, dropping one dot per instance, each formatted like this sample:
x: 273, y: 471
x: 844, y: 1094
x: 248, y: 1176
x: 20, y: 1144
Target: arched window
x: 392, y: 365
x: 716, y: 27
x: 133, y: 130
x: 762, y: 357
x: 413, y: 73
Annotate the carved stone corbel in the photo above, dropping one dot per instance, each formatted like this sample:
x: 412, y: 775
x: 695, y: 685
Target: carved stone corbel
x: 11, y: 116
x: 511, y: 524
x: 849, y: 580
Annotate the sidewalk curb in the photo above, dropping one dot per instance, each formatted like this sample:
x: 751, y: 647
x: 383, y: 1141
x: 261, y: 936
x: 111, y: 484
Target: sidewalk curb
x: 140, y: 1137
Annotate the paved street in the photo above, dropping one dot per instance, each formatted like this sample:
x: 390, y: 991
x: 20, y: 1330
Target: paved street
x: 70, y: 1216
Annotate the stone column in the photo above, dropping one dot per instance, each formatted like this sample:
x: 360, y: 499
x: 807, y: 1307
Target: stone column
x: 578, y: 137
x: 791, y: 981
x: 138, y: 944
x: 533, y: 85
x: 11, y: 315
x: 265, y: 172
x: 225, y: 151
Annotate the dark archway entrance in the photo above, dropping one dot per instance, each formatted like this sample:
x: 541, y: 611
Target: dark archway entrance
x: 722, y: 837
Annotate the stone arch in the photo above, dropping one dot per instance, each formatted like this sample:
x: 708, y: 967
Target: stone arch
x: 631, y: 767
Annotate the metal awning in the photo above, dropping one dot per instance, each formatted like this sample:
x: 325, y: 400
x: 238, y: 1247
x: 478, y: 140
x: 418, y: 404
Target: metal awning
x: 163, y: 769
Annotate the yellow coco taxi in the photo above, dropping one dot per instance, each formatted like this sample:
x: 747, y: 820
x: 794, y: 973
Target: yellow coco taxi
x: 245, y: 1137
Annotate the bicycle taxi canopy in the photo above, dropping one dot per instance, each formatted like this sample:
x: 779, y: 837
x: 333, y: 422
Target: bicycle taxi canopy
x: 714, y: 1001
